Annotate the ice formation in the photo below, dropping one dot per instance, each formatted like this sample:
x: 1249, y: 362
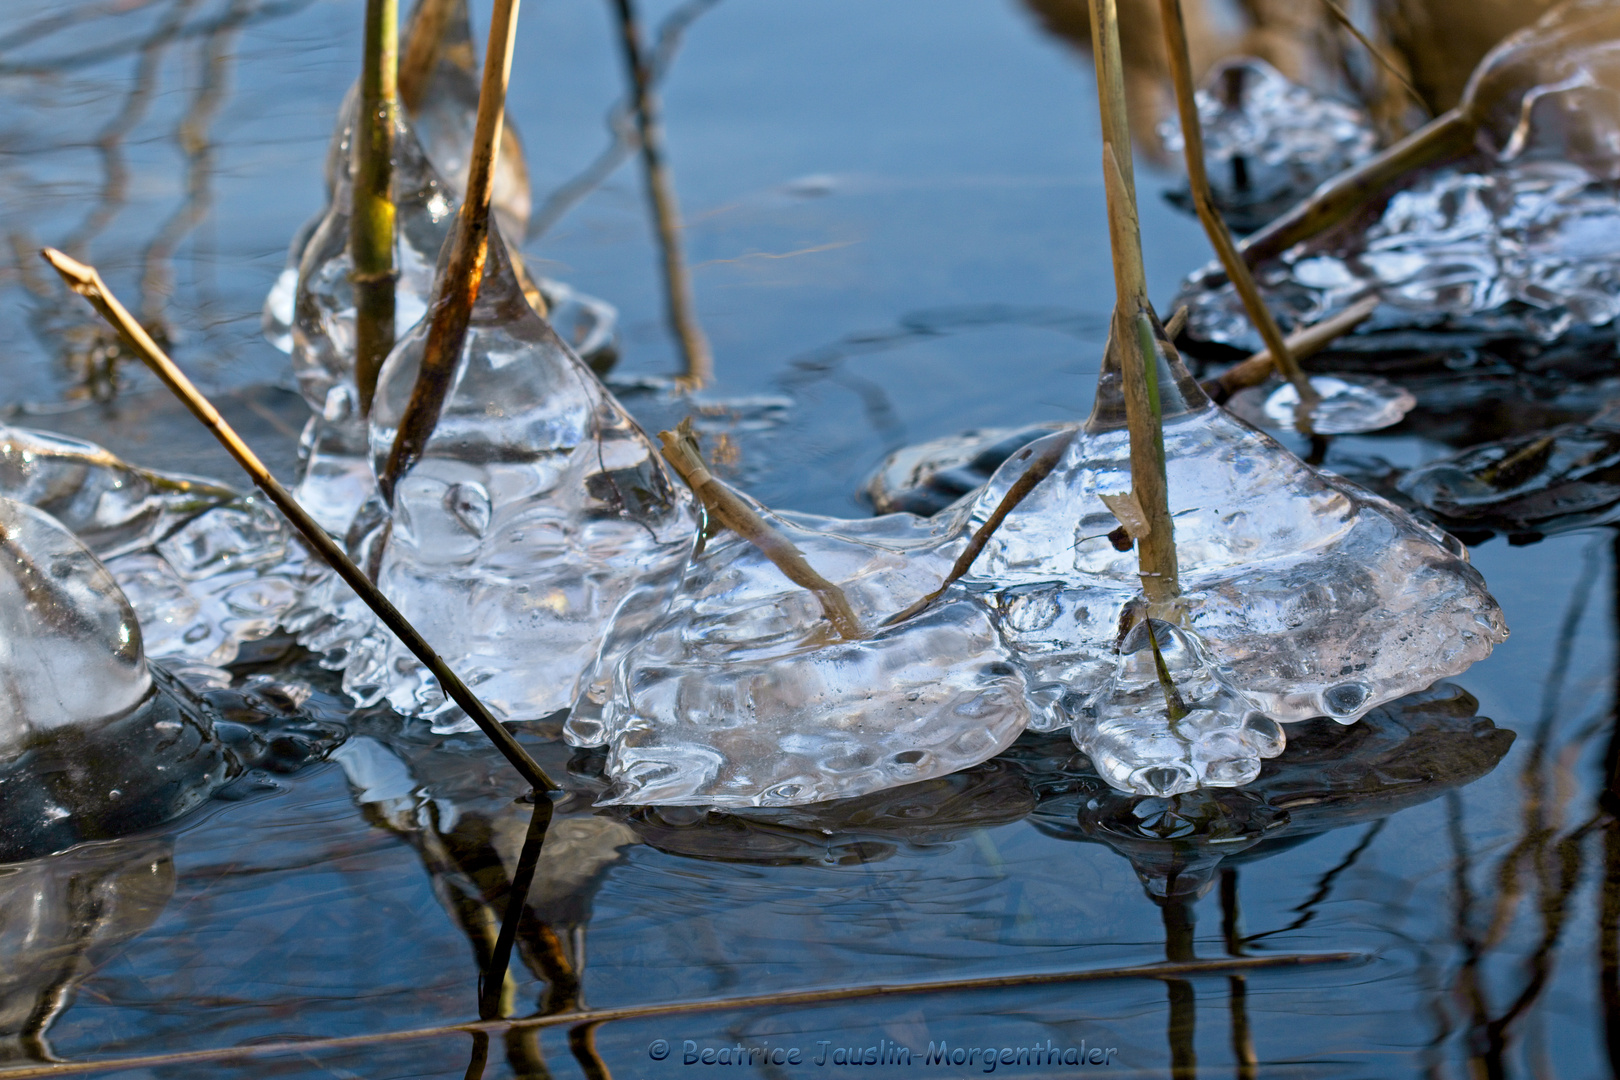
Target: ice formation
x: 1269, y: 141
x: 1529, y: 485
x: 928, y: 477
x: 1519, y: 239
x: 1350, y: 405
x: 1303, y: 596
x: 207, y: 570
x: 89, y: 745
x: 537, y: 504
x: 727, y: 687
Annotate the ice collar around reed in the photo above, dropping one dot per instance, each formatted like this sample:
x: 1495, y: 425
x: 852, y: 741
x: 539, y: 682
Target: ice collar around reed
x: 70, y: 647
x: 1519, y: 239
x: 207, y: 570
x: 727, y: 686
x: 1303, y: 596
x: 537, y: 504
x: 1268, y: 141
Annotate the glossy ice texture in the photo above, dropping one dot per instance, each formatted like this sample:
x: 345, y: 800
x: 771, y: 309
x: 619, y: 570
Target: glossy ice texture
x: 70, y: 648
x: 537, y: 505
x: 1303, y: 594
x: 727, y: 687
x: 1567, y: 477
x: 1525, y: 250
x: 1519, y: 239
x: 1268, y: 141
x: 1350, y: 404
x: 206, y: 569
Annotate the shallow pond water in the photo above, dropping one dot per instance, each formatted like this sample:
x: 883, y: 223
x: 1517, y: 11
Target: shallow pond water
x: 895, y: 223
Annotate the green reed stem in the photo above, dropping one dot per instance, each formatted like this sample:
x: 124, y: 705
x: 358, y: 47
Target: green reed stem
x: 371, y: 229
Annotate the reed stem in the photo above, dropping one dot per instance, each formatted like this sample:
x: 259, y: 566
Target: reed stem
x: 1138, y: 355
x: 456, y: 290
x: 1175, y: 41
x: 680, y: 307
x: 731, y: 511
x: 372, y: 227
x: 1302, y: 343
x: 85, y: 281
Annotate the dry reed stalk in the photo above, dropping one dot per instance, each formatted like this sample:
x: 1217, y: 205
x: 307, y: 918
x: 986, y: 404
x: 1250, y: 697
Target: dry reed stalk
x: 1132, y: 329
x: 1343, y: 19
x: 1036, y: 471
x: 1448, y: 135
x: 679, y: 304
x: 1192, y: 133
x: 1302, y: 343
x: 456, y: 290
x: 372, y: 226
x: 779, y: 1001
x: 85, y: 281
x: 731, y: 511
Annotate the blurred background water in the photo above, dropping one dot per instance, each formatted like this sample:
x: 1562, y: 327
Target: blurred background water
x: 895, y: 226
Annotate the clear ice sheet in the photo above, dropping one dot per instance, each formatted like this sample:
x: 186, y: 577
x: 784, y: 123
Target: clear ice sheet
x: 1350, y: 405
x: 1269, y: 141
x: 70, y: 646
x: 206, y: 569
x: 725, y: 686
x: 1302, y: 595
x: 1521, y: 239
x: 538, y: 503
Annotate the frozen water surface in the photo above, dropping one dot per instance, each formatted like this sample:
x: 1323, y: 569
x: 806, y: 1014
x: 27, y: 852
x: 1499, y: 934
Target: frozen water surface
x: 1350, y: 404
x: 536, y: 506
x: 1268, y: 141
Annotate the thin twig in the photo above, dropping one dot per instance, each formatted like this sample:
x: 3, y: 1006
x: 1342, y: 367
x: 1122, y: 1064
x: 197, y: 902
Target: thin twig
x: 731, y: 511
x: 1385, y: 62
x: 371, y: 229
x: 1169, y: 970
x: 457, y: 288
x: 1175, y: 42
x: 682, y: 311
x: 85, y: 281
x: 1302, y: 343
x: 493, y: 980
x: 1033, y: 474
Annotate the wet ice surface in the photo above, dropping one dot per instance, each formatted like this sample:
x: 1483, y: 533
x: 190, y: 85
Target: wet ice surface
x: 1563, y: 478
x: 1304, y: 596
x: 1350, y: 404
x: 207, y: 570
x: 729, y: 688
x: 538, y: 503
x: 1268, y: 142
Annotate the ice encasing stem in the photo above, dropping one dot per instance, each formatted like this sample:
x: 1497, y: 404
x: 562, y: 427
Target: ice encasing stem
x: 1132, y: 333
x: 457, y: 288
x: 371, y: 231
x: 423, y: 43
x: 1192, y: 137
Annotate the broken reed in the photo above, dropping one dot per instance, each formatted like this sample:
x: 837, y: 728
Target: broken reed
x: 1132, y: 332
x: 456, y: 289
x: 85, y: 281
x: 1192, y: 137
x: 372, y: 226
x: 681, y: 310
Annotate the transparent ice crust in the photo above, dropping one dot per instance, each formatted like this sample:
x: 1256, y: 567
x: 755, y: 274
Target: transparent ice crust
x: 206, y: 569
x: 727, y: 687
x: 70, y: 648
x: 1527, y: 250
x: 1517, y: 240
x: 1302, y: 594
x: 1350, y: 405
x: 926, y: 478
x: 1528, y: 485
x: 537, y: 505
x: 1268, y: 141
